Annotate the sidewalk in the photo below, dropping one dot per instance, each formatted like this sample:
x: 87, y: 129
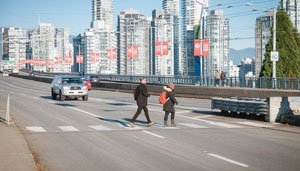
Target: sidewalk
x: 14, y: 152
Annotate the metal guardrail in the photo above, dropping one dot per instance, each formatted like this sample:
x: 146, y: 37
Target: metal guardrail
x: 251, y: 82
x: 240, y: 105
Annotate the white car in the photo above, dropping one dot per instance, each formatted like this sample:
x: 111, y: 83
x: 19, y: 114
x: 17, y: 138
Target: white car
x: 68, y: 86
x: 5, y: 74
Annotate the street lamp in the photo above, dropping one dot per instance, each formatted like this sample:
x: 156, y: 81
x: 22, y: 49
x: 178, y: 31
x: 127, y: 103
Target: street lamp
x: 274, y: 40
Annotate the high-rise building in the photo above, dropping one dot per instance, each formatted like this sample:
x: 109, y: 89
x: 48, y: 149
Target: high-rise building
x: 172, y: 14
x: 102, y: 10
x: 234, y: 70
x: 262, y: 37
x: 218, y: 34
x: 292, y: 7
x: 52, y: 45
x: 193, y: 24
x: 162, y: 36
x: 13, y: 45
x: 133, y: 43
x: 247, y: 67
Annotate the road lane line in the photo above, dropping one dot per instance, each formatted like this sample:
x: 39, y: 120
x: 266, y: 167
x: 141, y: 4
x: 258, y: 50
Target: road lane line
x: 23, y: 88
x: 192, y: 125
x: 68, y: 128
x: 35, y: 129
x: 228, y: 160
x: 184, y: 111
x: 88, y: 113
x: 204, y: 116
x: 100, y: 127
x: 35, y: 98
x: 255, y: 124
x: 221, y: 124
x: 147, y: 132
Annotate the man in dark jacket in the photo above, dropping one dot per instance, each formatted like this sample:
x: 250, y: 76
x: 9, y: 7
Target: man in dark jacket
x: 141, y: 96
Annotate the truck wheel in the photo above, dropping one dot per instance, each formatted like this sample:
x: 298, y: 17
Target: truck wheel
x: 53, y: 94
x: 62, y: 97
x: 85, y: 98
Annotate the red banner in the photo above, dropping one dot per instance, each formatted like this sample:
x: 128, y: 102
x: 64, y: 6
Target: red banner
x: 92, y: 57
x: 165, y: 48
x: 197, y: 47
x: 97, y: 57
x: 50, y: 62
x: 109, y: 54
x: 58, y: 60
x: 68, y: 59
x: 129, y: 51
x: 157, y: 48
x: 79, y: 59
x: 135, y: 51
x: 114, y: 54
x: 205, y: 47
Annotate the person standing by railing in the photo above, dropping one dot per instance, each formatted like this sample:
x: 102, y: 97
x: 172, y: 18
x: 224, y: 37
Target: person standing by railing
x: 223, y: 78
x: 218, y: 77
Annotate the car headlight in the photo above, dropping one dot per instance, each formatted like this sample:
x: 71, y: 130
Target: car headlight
x: 84, y: 87
x: 66, y: 88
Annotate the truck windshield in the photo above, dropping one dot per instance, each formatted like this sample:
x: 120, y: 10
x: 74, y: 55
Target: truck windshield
x: 71, y: 80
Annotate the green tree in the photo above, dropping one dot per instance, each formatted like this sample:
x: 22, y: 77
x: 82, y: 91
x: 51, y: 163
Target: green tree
x: 288, y: 46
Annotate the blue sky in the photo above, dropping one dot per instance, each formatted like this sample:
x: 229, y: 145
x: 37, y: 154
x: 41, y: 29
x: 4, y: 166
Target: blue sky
x: 76, y: 14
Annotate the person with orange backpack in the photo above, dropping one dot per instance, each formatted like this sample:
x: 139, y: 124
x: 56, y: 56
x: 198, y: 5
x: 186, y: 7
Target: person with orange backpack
x: 167, y: 98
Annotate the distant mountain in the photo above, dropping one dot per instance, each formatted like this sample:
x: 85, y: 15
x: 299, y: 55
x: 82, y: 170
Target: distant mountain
x: 237, y: 55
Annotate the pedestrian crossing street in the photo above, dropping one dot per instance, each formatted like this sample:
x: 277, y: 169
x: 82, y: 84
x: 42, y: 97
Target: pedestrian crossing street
x: 126, y: 127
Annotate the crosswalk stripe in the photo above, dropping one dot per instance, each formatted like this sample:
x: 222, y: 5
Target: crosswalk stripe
x: 35, y: 129
x: 67, y: 128
x: 192, y: 125
x: 100, y: 127
x: 255, y: 124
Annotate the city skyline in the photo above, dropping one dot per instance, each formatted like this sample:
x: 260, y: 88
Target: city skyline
x: 242, y: 32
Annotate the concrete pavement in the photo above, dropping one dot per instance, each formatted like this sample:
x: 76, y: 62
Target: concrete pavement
x: 14, y: 152
x: 94, y: 135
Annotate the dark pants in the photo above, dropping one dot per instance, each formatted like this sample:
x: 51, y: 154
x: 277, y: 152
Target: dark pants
x: 138, y: 112
x: 167, y: 114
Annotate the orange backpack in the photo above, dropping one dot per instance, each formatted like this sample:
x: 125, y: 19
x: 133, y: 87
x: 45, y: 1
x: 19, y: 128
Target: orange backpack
x: 162, y: 97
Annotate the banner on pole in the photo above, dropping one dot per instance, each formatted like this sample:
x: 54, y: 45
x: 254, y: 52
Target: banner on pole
x: 197, y: 47
x: 129, y: 51
x: 157, y: 48
x: 165, y: 48
x: 135, y: 51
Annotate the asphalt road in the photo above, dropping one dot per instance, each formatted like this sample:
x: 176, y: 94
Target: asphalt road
x: 94, y: 135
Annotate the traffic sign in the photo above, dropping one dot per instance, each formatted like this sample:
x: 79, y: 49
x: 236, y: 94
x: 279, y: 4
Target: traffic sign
x: 274, y: 56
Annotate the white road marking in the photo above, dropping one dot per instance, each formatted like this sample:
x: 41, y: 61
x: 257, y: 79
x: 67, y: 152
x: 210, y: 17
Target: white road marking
x: 228, y: 160
x: 35, y: 98
x: 35, y: 129
x: 226, y: 125
x: 192, y: 125
x: 100, y: 127
x: 23, y: 88
x: 88, y: 113
x: 255, y: 124
x: 23, y: 94
x: 184, y: 111
x: 204, y: 116
x: 67, y: 128
x: 147, y: 132
x: 51, y: 101
x: 129, y: 127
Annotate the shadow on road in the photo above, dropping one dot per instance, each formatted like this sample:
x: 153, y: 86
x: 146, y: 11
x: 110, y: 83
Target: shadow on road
x: 118, y: 104
x: 114, y: 121
x: 65, y: 105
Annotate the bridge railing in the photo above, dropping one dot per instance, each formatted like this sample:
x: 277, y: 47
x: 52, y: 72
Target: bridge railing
x: 248, y: 82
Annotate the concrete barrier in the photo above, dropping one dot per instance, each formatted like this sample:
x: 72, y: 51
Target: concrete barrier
x: 186, y: 90
x: 280, y: 107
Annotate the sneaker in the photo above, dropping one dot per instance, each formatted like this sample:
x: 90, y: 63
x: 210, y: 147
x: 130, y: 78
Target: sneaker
x: 151, y: 123
x: 131, y: 124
